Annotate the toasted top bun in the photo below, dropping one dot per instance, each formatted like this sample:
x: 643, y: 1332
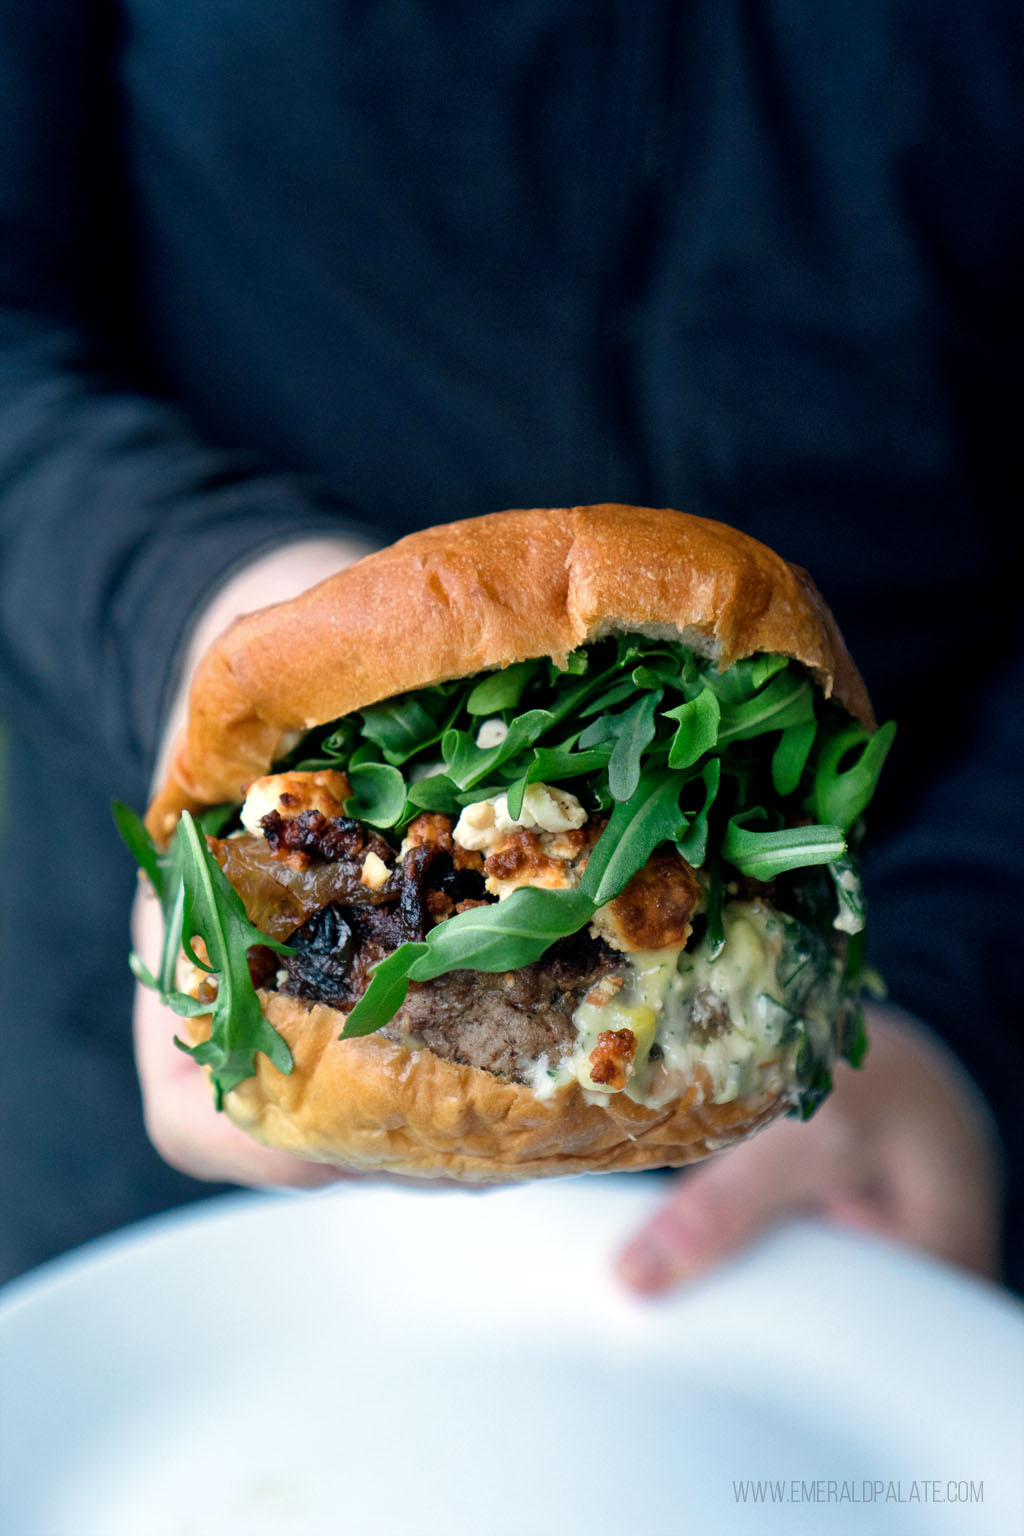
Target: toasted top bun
x: 480, y: 594
x: 445, y: 603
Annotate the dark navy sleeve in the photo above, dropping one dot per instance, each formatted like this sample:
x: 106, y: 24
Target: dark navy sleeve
x: 115, y: 518
x: 946, y: 898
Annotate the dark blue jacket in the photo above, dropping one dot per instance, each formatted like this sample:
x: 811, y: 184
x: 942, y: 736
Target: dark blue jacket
x: 267, y: 269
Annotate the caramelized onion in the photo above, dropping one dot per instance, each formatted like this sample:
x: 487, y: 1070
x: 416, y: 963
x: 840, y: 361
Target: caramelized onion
x: 278, y: 897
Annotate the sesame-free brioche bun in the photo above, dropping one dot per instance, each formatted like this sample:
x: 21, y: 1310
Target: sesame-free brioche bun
x: 445, y: 603
x: 376, y: 1106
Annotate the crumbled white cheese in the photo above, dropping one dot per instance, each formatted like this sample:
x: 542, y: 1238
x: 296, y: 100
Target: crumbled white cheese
x: 259, y: 802
x: 375, y: 872
x: 321, y: 790
x: 486, y: 824
x: 491, y: 734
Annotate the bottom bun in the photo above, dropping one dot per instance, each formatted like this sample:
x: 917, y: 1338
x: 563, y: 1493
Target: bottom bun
x: 377, y: 1106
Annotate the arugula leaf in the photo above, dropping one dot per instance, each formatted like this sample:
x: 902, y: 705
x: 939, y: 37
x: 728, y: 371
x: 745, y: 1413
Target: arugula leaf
x: 600, y: 733
x: 693, y: 846
x: 337, y: 745
x: 173, y: 902
x: 139, y: 844
x: 378, y: 794
x: 856, y: 1043
x: 182, y: 1003
x: 340, y: 740
x: 696, y: 728
x: 787, y: 700
x: 216, y: 818
x: 635, y: 734
x: 790, y: 756
x: 199, y: 902
x: 213, y: 911
x: 551, y: 764
x: 657, y: 672
x: 842, y: 796
x: 763, y: 855
x: 715, y: 910
x: 814, y: 1092
x: 766, y: 666
x: 604, y: 686
x: 635, y: 828
x: 403, y: 726
x: 468, y: 764
x: 389, y: 983
x: 165, y: 875
x: 502, y: 937
x: 735, y: 685
x: 501, y: 690
x: 624, y: 689
x: 436, y: 793
x: 554, y: 763
x: 576, y: 663
x: 634, y: 649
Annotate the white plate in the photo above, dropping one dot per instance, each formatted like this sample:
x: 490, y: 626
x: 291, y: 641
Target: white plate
x: 377, y: 1363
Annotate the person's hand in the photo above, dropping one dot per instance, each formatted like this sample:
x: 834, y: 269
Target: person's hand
x: 902, y: 1148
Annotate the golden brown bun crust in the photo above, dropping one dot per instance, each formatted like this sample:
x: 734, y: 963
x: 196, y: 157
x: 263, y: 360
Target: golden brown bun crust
x: 469, y: 596
x: 373, y: 1105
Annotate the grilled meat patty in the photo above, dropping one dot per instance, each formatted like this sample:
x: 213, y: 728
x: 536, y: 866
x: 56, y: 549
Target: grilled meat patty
x: 499, y: 1022
x: 504, y: 1022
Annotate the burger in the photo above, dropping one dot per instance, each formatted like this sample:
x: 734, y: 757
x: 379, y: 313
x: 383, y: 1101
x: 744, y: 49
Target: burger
x: 525, y: 846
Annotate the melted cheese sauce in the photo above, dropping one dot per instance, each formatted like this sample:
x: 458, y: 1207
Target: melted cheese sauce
x: 745, y: 1017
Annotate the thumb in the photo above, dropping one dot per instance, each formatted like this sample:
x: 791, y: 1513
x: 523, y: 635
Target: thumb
x: 720, y: 1206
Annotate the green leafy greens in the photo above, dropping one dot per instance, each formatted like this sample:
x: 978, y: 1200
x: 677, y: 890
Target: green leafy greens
x: 199, y: 903
x: 642, y: 731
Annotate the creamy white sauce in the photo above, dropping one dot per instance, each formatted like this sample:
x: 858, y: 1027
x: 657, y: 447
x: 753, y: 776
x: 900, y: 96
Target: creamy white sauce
x: 772, y: 989
x: 850, y: 917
